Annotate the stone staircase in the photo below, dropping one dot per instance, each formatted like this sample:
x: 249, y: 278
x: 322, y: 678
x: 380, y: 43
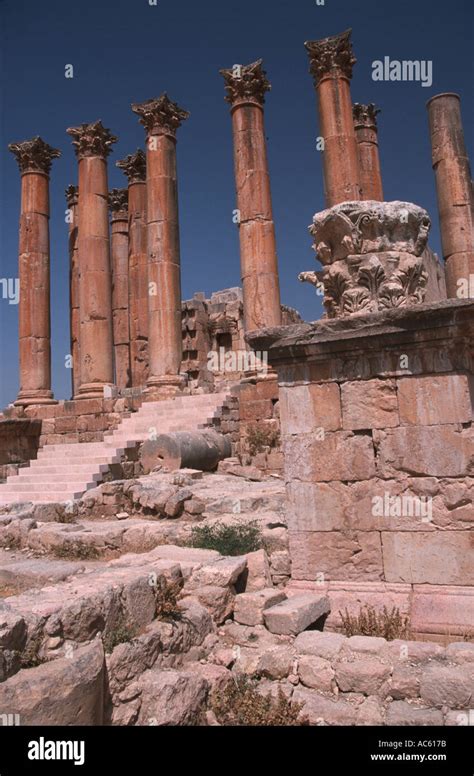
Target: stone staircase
x: 65, y: 472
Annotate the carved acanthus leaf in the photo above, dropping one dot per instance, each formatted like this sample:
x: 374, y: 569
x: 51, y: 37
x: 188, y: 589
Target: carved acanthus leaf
x: 34, y: 155
x: 246, y: 82
x: 160, y: 114
x: 92, y: 139
x: 329, y: 54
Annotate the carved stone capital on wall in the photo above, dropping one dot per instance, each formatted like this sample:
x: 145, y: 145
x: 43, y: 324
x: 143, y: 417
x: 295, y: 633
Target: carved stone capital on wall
x: 333, y: 53
x: 371, y: 254
x: 365, y: 115
x: 34, y: 155
x: 92, y: 140
x: 72, y: 195
x: 160, y: 115
x: 134, y: 166
x: 118, y: 201
x: 246, y: 83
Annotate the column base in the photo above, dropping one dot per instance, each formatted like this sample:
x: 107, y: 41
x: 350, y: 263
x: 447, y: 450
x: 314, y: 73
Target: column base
x: 164, y: 387
x: 95, y: 391
x: 29, y: 398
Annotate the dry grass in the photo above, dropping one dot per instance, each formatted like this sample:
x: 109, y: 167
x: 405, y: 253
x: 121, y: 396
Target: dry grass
x: 258, y: 438
x: 166, y: 596
x: 241, y: 704
x: 372, y: 622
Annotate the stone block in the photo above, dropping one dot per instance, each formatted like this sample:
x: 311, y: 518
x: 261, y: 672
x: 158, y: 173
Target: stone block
x: 256, y: 410
x: 367, y: 676
x: 434, y: 400
x: 257, y: 576
x: 433, y: 451
x: 368, y: 404
x: 402, y: 713
x: 448, y: 686
x: 437, y: 558
x: 171, y: 698
x: 336, y: 555
x: 304, y: 408
x: 320, y: 644
x: 339, y: 455
x: 317, y: 673
x: 321, y: 710
x: 249, y: 607
x: 296, y: 614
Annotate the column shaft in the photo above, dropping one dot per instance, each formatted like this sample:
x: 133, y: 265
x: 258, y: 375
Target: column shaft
x: 365, y: 125
x: 161, y: 118
x: 331, y: 65
x: 138, y: 278
x: 454, y: 190
x: 120, y: 286
x: 74, y: 318
x: 34, y: 158
x: 92, y: 142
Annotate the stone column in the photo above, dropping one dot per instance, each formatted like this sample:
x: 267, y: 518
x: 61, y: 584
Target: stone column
x: 331, y: 61
x: 134, y: 167
x: 454, y: 188
x: 92, y: 143
x: 118, y: 202
x: 161, y: 118
x: 74, y: 313
x: 246, y: 87
x: 34, y: 158
x: 365, y: 125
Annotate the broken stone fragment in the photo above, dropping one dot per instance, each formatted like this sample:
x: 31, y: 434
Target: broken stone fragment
x: 249, y: 607
x: 296, y: 614
x: 172, y: 698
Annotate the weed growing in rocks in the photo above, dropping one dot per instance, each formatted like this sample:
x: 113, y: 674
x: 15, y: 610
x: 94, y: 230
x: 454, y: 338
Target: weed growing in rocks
x: 258, y: 438
x: 370, y: 622
x: 76, y: 551
x: 30, y: 657
x: 121, y: 634
x: 227, y: 539
x: 166, y: 596
x: 241, y: 704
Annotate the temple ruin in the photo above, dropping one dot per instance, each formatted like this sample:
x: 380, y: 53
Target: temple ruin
x: 348, y: 440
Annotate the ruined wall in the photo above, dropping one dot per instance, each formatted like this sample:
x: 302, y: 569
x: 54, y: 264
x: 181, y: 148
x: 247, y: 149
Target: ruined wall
x: 19, y: 442
x: 376, y: 415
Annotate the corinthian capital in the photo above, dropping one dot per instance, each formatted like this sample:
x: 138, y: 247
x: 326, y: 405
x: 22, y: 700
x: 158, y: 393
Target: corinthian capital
x: 160, y: 115
x: 92, y: 140
x: 34, y: 155
x: 118, y: 200
x: 333, y: 53
x: 134, y: 166
x: 365, y: 115
x: 71, y: 195
x: 246, y: 83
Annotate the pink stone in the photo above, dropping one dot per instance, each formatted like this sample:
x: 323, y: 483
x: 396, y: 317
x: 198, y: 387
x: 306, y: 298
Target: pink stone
x: 369, y: 404
x: 435, y: 399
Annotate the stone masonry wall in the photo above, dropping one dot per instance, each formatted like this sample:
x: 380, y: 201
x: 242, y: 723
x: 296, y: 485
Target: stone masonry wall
x: 378, y: 440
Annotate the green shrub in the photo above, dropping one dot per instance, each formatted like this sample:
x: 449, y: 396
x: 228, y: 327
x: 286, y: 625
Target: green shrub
x: 227, y: 539
x: 258, y: 437
x: 370, y: 622
x: 122, y: 633
x: 241, y: 704
x: 76, y: 551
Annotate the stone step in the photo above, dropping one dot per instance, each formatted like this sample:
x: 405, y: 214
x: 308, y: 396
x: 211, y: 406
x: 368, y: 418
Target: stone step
x: 68, y: 486
x: 62, y: 468
x: 71, y: 476
x: 37, y: 497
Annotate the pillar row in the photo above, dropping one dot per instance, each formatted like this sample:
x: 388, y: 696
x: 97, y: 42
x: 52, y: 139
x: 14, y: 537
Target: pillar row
x: 134, y: 167
x: 331, y: 62
x: 92, y: 143
x: 246, y: 87
x: 34, y: 158
x: 161, y: 118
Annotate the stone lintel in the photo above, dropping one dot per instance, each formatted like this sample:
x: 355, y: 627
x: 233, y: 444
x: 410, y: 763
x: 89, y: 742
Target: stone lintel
x: 92, y: 140
x: 448, y: 325
x: 34, y: 155
x: 134, y: 167
x: 332, y: 55
x: 160, y: 115
x: 246, y: 83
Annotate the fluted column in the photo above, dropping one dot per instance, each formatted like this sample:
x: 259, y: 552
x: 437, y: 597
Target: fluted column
x: 74, y: 313
x: 246, y: 87
x: 34, y: 158
x: 118, y: 202
x: 454, y: 189
x: 365, y: 125
x: 331, y: 61
x: 92, y: 144
x: 161, y: 118
x: 134, y: 167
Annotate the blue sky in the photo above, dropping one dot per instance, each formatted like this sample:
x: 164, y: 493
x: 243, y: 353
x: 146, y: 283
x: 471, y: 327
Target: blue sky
x: 126, y: 51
